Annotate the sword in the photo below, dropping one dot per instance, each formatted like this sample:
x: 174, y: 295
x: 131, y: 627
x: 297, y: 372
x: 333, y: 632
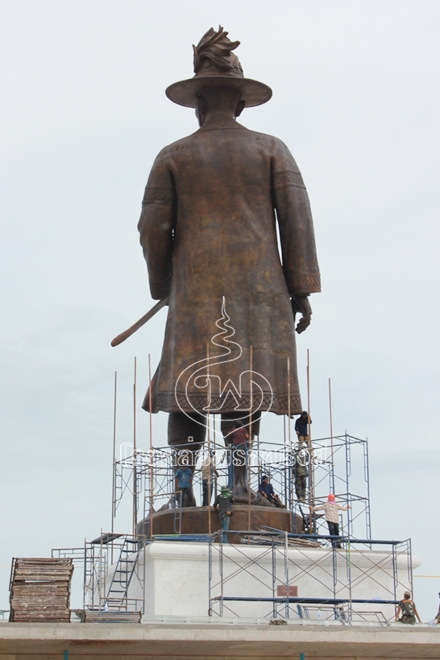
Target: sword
x: 132, y: 329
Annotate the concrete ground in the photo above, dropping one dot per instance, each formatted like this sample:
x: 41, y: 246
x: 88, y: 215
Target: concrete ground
x: 45, y: 641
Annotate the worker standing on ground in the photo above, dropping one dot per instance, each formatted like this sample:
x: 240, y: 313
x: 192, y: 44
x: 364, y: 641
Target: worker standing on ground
x: 331, y: 509
x: 408, y: 609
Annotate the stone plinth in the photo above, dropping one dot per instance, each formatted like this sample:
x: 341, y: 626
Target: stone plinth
x: 201, y: 520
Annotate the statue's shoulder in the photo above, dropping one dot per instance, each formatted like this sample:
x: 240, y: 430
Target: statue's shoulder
x: 271, y: 143
x: 174, y: 147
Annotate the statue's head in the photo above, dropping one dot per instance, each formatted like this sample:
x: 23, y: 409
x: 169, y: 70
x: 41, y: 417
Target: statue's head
x: 217, y: 67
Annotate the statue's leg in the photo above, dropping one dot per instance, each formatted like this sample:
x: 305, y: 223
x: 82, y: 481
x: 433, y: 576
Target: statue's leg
x: 239, y: 456
x: 186, y: 435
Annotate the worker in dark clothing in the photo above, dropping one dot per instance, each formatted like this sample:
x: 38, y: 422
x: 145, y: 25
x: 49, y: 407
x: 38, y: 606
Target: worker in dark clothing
x: 302, y: 427
x: 267, y: 491
x: 184, y: 477
x: 223, y: 504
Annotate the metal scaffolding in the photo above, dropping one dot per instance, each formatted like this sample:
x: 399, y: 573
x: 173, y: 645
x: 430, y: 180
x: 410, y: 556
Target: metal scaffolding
x: 277, y: 565
x: 112, y: 567
x: 277, y: 562
x: 339, y: 465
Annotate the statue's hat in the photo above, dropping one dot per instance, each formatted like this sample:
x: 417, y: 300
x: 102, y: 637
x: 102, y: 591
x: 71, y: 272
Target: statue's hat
x: 215, y: 65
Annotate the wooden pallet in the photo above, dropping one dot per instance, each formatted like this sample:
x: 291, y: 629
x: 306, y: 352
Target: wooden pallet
x: 40, y: 590
x: 101, y: 616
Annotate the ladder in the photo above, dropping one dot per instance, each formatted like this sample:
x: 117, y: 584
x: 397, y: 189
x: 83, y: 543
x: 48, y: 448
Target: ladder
x: 178, y: 512
x: 117, y: 595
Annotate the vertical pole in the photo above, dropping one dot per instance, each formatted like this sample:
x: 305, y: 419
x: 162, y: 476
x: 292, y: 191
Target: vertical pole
x: 410, y: 568
x: 287, y: 471
x: 134, y: 452
x: 144, y: 570
x: 274, y: 579
x: 86, y: 560
x: 350, y: 604
x: 215, y: 454
x: 332, y: 466
x: 335, y: 570
x: 102, y: 573
x: 220, y: 546
x: 367, y: 480
x: 287, y: 444
x: 286, y: 573
x: 209, y: 575
x: 309, y: 433
x: 150, y: 399
x: 209, y: 441
x: 249, y: 451
x: 395, y: 573
x: 114, y: 461
x: 347, y: 480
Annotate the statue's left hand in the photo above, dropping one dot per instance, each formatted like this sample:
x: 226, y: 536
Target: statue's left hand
x: 301, y: 305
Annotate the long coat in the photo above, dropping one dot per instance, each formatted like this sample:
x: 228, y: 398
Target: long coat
x: 208, y: 228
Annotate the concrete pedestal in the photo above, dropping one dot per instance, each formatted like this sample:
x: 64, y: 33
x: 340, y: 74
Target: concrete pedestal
x: 177, y: 578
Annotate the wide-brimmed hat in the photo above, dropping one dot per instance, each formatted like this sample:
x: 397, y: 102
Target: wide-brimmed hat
x: 215, y: 65
x: 225, y: 492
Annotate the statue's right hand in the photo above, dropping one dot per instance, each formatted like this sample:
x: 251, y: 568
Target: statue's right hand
x: 301, y: 305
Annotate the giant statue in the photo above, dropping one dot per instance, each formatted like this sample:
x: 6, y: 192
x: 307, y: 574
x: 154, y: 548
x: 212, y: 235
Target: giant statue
x: 227, y: 234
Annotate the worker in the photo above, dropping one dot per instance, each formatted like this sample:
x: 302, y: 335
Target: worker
x: 267, y: 491
x: 223, y: 504
x: 408, y: 609
x: 300, y: 470
x: 331, y: 509
x: 184, y: 477
x: 302, y: 427
x: 208, y: 473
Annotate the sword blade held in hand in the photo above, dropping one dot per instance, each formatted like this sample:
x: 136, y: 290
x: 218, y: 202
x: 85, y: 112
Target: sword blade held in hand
x: 132, y: 329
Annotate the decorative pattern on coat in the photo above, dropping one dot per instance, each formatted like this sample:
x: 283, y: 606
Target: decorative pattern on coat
x: 284, y: 179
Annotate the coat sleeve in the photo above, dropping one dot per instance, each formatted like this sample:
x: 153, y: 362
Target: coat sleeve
x: 156, y: 226
x: 295, y: 223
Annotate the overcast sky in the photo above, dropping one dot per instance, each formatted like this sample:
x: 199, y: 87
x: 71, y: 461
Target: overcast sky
x: 356, y: 97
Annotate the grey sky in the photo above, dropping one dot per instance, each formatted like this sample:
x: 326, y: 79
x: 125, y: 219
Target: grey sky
x: 356, y: 98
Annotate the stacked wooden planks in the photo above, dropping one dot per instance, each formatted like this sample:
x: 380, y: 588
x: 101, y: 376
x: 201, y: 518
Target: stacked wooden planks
x: 95, y: 616
x: 40, y: 590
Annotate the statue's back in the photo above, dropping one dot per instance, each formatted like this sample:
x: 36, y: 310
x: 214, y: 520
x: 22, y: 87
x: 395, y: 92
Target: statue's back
x: 215, y: 193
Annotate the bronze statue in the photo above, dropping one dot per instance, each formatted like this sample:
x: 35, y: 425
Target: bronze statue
x: 208, y: 230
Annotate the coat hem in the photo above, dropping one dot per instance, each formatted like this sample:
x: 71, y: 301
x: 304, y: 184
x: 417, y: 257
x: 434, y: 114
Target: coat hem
x: 190, y: 403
